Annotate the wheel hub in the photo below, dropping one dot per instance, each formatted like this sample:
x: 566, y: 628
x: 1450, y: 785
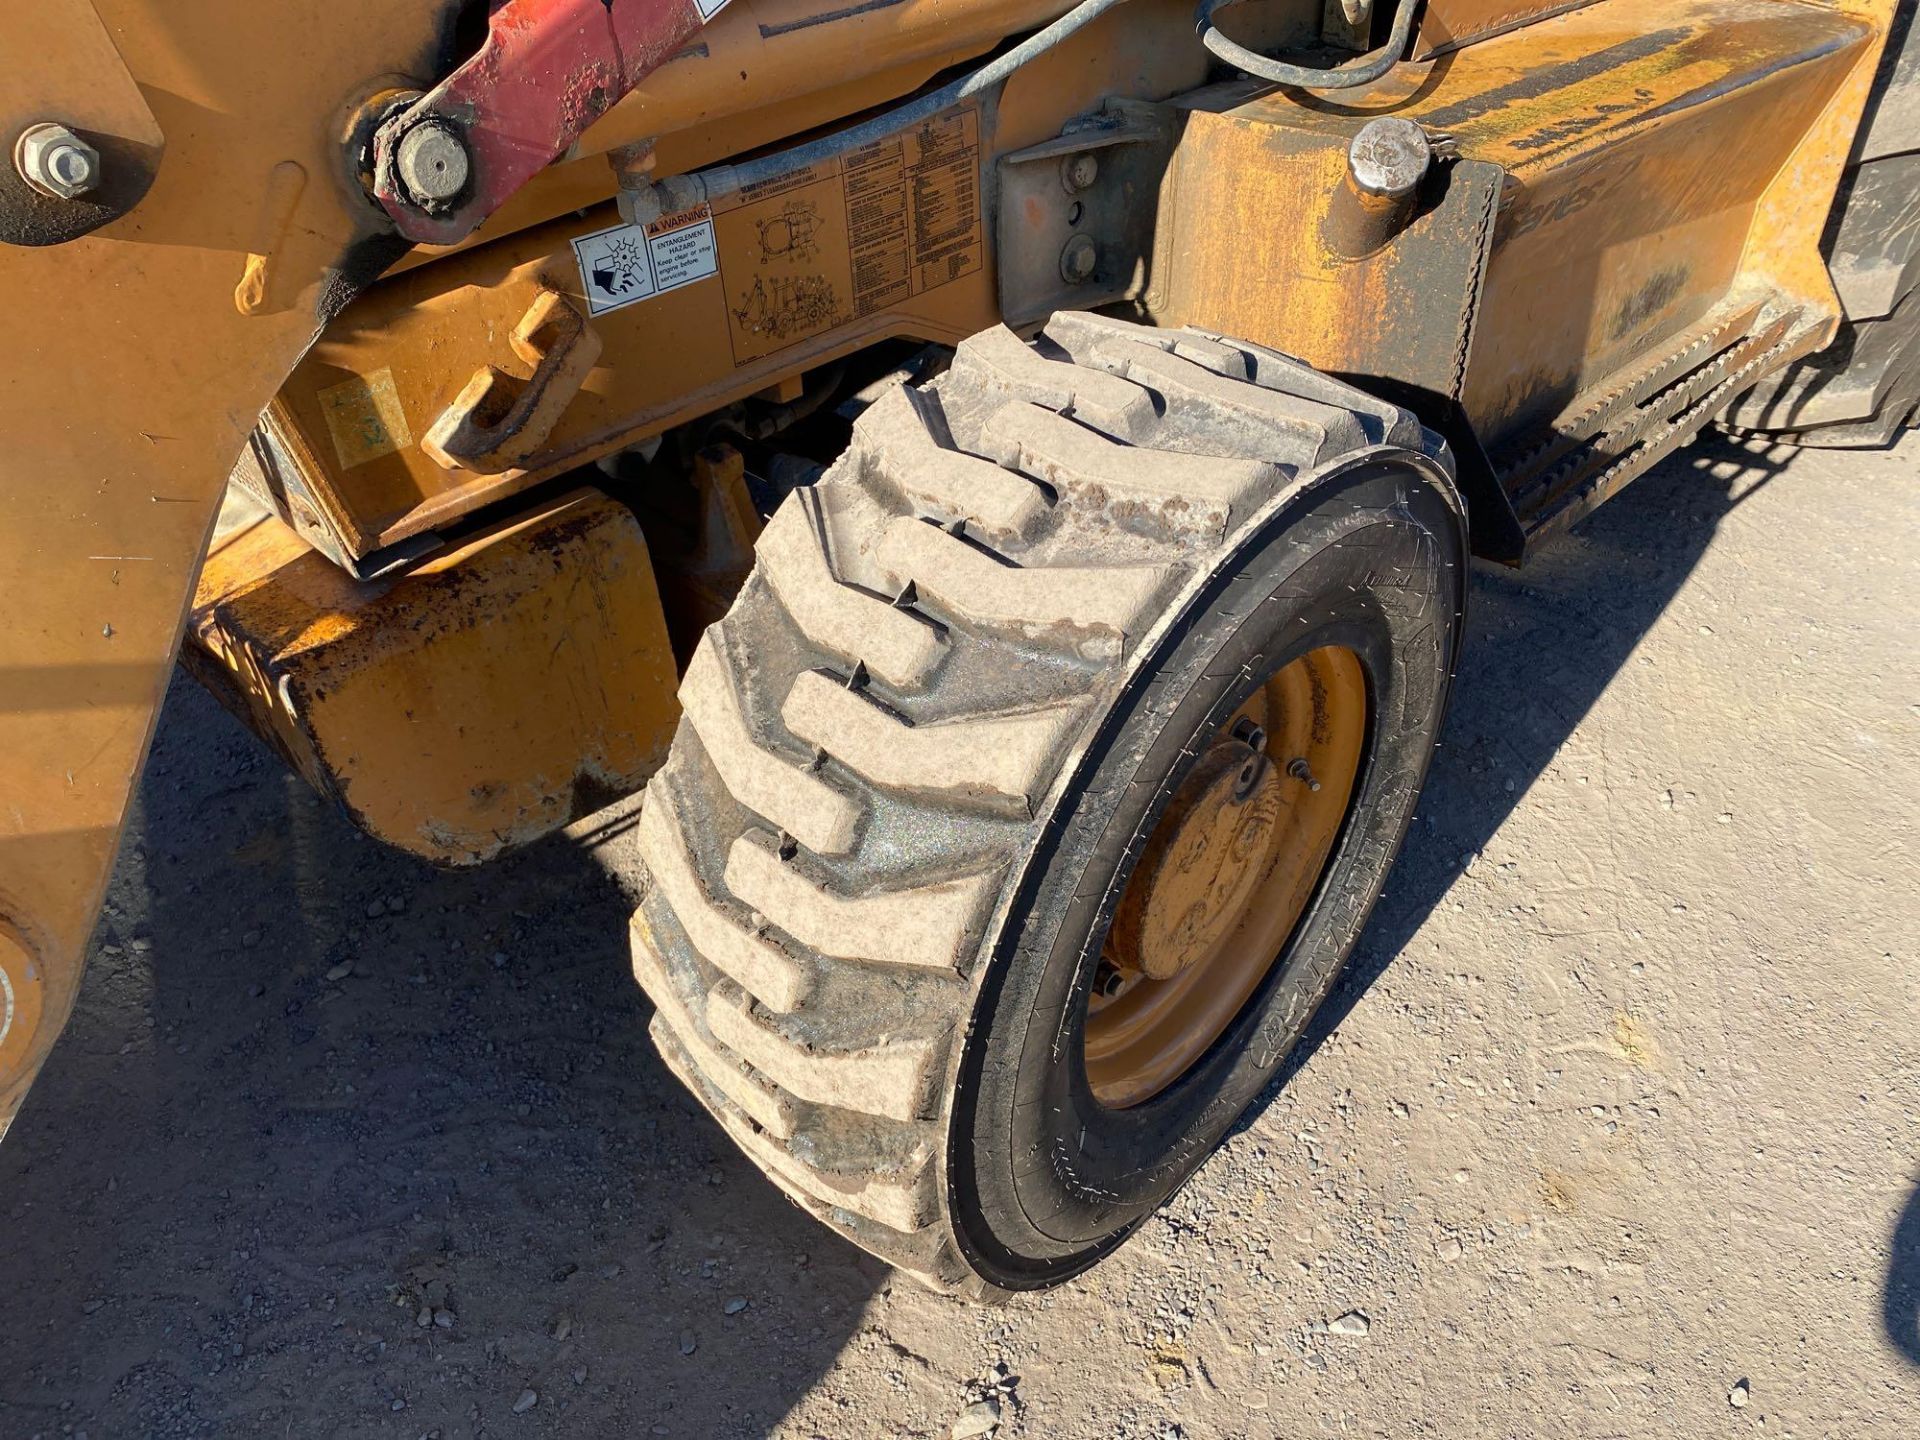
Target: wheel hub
x: 1202, y: 864
x: 1225, y: 877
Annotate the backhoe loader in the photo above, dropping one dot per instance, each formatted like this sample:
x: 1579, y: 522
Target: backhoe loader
x: 1000, y: 476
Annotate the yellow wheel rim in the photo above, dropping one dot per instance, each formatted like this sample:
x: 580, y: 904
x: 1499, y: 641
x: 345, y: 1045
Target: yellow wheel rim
x: 1226, y: 876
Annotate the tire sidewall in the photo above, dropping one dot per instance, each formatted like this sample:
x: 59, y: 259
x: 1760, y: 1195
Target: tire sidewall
x: 1043, y: 1180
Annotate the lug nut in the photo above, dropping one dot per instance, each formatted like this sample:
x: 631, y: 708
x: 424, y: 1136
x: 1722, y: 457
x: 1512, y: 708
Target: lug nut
x: 432, y: 164
x: 56, y: 162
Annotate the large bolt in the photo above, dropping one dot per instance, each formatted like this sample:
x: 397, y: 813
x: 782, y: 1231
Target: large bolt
x: 1389, y: 157
x: 1386, y: 164
x: 432, y: 164
x: 1078, y: 172
x: 1079, y: 260
x: 56, y: 162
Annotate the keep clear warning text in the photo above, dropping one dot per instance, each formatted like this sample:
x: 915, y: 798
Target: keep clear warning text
x: 625, y: 264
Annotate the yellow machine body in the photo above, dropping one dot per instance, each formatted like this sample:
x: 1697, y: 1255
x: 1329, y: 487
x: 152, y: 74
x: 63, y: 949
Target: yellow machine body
x: 501, y: 688
x: 439, y: 629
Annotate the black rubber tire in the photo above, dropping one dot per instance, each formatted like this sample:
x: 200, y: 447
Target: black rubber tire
x: 1864, y: 389
x: 917, y: 757
x: 1045, y: 1178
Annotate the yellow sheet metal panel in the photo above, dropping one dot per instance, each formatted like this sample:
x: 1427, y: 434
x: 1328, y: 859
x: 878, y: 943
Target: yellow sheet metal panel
x: 1652, y: 178
x: 482, y: 700
x: 1637, y: 137
x: 692, y: 311
x: 753, y: 289
x: 763, y: 71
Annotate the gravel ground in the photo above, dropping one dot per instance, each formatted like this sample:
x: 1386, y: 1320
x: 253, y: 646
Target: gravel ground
x: 1624, y: 1141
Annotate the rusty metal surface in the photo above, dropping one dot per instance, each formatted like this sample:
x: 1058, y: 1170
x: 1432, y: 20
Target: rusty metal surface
x: 1401, y: 314
x: 1645, y: 163
x: 1450, y: 24
x: 132, y: 380
x: 482, y: 700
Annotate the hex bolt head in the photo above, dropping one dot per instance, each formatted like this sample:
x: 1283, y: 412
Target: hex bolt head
x: 1389, y: 157
x: 432, y: 164
x: 1079, y: 260
x: 1078, y: 172
x: 56, y: 162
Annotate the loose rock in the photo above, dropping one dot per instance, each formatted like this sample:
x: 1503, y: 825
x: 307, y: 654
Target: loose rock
x: 1351, y: 1323
x: 1740, y: 1394
x: 528, y: 1399
x: 980, y: 1418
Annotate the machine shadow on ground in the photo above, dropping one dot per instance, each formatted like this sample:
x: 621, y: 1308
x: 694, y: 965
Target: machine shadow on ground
x: 311, y: 1162
x: 316, y: 1093
x: 1900, y: 1295
x: 1543, y: 643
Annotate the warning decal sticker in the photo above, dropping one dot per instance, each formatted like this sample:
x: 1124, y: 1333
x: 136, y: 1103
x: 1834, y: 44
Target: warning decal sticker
x: 629, y: 263
x: 795, y: 256
x: 852, y: 236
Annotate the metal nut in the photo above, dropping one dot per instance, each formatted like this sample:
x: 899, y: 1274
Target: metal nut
x: 1078, y: 172
x: 1079, y: 260
x: 56, y: 162
x: 432, y: 164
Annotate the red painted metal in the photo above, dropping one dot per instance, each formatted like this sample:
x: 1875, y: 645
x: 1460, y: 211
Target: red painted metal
x: 548, y: 70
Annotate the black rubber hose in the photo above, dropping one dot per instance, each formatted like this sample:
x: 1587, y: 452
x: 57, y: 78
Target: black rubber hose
x: 1362, y: 71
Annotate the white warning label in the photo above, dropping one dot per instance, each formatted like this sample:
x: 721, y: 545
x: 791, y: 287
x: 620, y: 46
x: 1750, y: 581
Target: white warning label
x: 629, y: 263
x: 681, y: 248
x: 709, y: 8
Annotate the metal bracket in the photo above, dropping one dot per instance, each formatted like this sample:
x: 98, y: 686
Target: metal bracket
x: 1076, y: 213
x: 498, y: 421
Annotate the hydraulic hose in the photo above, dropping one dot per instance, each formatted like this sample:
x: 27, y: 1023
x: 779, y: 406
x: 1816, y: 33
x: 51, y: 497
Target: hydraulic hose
x: 1362, y: 71
x: 726, y: 179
